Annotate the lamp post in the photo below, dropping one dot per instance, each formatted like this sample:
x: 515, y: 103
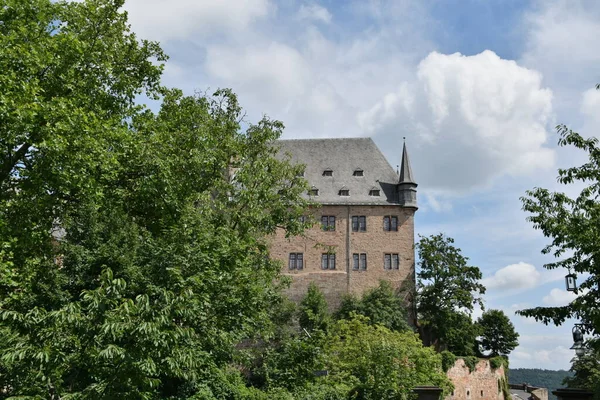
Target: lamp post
x: 578, y: 345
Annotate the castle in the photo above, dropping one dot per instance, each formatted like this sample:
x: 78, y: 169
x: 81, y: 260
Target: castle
x: 365, y: 222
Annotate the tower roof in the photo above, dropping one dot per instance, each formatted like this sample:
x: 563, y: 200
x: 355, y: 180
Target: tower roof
x: 406, y: 175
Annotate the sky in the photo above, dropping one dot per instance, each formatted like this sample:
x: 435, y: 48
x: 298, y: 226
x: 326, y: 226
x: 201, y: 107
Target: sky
x: 475, y: 86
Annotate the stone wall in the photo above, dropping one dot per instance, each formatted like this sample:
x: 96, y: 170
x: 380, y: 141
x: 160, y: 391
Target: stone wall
x: 375, y: 242
x: 481, y: 384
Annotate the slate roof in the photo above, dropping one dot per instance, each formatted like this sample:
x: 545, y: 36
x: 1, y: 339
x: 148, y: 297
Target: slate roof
x: 343, y: 157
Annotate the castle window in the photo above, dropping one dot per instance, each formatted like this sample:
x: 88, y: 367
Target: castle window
x: 296, y: 261
x: 391, y: 261
x: 328, y: 172
x: 359, y: 223
x: 358, y: 172
x: 482, y: 393
x: 328, y: 222
x: 328, y: 261
x: 359, y: 261
x: 344, y: 192
x: 313, y: 191
x: 390, y: 223
x: 374, y: 192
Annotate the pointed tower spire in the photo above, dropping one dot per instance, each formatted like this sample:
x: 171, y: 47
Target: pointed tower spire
x: 406, y: 175
x: 407, y: 187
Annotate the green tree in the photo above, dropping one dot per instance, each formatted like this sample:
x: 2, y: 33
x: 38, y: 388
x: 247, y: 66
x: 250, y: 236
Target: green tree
x: 586, y: 372
x: 313, y: 313
x: 380, y: 363
x: 133, y: 256
x: 381, y: 305
x: 447, y: 291
x: 498, y: 335
x: 573, y: 225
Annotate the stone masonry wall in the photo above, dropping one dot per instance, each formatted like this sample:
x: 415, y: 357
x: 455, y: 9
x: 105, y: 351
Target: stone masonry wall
x: 481, y: 384
x: 375, y: 242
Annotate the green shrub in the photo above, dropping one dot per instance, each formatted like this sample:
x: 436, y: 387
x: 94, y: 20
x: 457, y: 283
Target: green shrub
x: 499, y: 361
x: 471, y: 362
x: 448, y: 360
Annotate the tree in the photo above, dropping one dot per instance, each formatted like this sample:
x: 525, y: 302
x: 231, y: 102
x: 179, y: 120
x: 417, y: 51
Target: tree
x: 498, y: 334
x: 381, y: 305
x: 573, y: 224
x: 447, y: 291
x: 380, y: 363
x: 132, y: 259
x: 313, y: 312
x: 586, y: 371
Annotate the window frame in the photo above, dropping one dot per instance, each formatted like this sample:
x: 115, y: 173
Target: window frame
x: 328, y: 223
x: 359, y: 261
x: 327, y: 172
x: 359, y: 223
x: 391, y: 261
x: 344, y: 192
x: 358, y: 172
x: 390, y: 223
x: 296, y: 261
x: 328, y: 260
x: 375, y: 192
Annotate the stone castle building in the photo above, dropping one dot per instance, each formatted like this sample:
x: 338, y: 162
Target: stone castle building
x: 364, y: 229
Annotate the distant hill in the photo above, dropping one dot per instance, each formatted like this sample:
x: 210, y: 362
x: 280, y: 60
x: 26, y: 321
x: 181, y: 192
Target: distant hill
x: 539, y: 377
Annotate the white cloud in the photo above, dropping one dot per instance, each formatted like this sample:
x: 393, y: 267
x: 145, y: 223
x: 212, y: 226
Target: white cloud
x: 275, y: 71
x: 562, y: 42
x: 478, y: 117
x: 314, y: 12
x: 180, y: 19
x: 558, y: 297
x: 513, y: 277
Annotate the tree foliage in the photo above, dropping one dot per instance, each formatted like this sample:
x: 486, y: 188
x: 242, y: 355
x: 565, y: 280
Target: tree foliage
x: 381, y: 305
x: 447, y: 291
x: 573, y: 224
x: 498, y: 335
x: 586, y: 371
x: 133, y: 257
x: 380, y: 363
x: 313, y: 313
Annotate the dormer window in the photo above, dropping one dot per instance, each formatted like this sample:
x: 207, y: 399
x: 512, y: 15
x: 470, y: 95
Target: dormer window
x: 375, y: 192
x: 358, y: 172
x: 344, y: 192
x: 328, y: 172
x: 313, y: 191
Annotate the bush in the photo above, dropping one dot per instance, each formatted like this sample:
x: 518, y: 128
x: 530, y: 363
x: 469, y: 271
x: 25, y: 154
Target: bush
x: 497, y: 362
x: 471, y: 362
x: 381, y: 305
x: 448, y: 360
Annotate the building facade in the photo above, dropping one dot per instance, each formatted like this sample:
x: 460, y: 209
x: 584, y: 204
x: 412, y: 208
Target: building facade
x: 364, y: 230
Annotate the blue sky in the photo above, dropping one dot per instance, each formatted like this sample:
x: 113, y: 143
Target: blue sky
x: 476, y: 87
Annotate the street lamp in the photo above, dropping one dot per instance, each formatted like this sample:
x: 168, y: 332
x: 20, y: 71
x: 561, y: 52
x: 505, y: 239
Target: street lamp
x: 578, y: 341
x: 571, y: 282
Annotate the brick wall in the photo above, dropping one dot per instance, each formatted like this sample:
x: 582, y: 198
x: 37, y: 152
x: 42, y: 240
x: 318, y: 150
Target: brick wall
x: 375, y: 242
x: 481, y: 384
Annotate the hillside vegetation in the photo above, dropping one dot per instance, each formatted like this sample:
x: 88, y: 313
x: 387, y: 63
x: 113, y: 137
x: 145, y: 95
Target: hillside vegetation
x: 539, y: 377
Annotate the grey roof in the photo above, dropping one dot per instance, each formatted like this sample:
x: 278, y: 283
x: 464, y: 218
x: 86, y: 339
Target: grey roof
x: 343, y: 157
x: 406, y: 175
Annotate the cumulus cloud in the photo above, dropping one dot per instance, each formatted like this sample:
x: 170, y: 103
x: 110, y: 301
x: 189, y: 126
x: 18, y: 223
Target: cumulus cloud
x: 473, y: 118
x: 561, y: 42
x: 558, y: 297
x: 513, y: 277
x: 180, y: 19
x: 314, y: 12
